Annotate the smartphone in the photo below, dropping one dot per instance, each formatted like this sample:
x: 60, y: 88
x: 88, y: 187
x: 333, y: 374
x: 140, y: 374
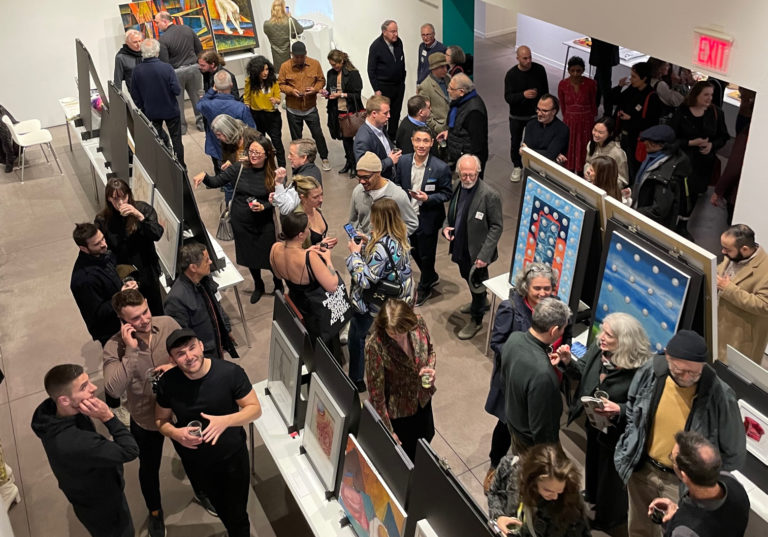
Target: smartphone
x: 350, y: 229
x: 133, y: 332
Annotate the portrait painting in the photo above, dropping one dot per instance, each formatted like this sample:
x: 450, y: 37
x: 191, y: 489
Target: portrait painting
x: 193, y: 13
x: 371, y: 508
x: 231, y: 23
x: 323, y: 431
x: 551, y: 226
x: 284, y: 372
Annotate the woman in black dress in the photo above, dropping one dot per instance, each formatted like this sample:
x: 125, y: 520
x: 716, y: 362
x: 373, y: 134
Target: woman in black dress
x: 606, y: 371
x: 252, y: 212
x: 342, y: 90
x: 131, y: 230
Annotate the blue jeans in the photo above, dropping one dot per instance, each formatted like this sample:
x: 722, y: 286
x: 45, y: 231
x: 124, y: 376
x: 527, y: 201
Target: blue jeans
x: 359, y: 326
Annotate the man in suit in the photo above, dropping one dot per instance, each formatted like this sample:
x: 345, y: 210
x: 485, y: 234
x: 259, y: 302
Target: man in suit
x: 386, y: 70
x: 371, y: 136
x: 434, y: 88
x: 427, y: 180
x: 418, y: 113
x: 742, y: 288
x: 473, y: 225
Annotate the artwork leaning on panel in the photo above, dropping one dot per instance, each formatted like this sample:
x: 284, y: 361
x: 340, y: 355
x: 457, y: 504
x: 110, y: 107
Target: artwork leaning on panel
x: 193, y: 13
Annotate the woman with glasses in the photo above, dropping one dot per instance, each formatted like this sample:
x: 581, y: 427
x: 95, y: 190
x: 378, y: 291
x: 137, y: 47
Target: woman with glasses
x: 251, y: 212
x: 606, y: 371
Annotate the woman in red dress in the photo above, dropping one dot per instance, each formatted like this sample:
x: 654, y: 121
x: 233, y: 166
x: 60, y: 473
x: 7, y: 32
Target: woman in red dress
x: 577, y: 95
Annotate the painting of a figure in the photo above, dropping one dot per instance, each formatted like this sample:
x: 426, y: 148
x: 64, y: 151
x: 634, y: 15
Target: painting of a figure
x: 369, y: 504
x: 193, y: 13
x: 639, y: 280
x: 232, y: 24
x: 323, y: 430
x: 550, y: 231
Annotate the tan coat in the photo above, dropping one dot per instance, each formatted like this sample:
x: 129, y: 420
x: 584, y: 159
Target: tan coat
x: 430, y: 89
x: 742, y: 311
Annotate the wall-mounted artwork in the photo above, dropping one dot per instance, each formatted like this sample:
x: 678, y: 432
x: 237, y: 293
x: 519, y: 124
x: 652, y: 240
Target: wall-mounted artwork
x: 642, y: 280
x: 370, y: 506
x: 756, y: 431
x: 323, y: 431
x: 168, y: 245
x: 551, y: 227
x: 232, y: 25
x: 193, y: 13
x: 284, y: 373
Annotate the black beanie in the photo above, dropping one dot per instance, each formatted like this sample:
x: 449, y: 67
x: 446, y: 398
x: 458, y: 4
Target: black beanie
x: 688, y: 345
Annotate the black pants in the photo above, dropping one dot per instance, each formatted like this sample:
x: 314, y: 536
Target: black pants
x: 477, y: 310
x: 395, y: 93
x: 226, y: 483
x: 259, y: 283
x: 296, y: 128
x: 603, y: 78
x: 149, y: 285
x: 174, y: 129
x: 271, y: 123
x: 411, y: 428
x: 110, y: 518
x: 423, y: 250
x: 349, y: 153
x: 500, y: 443
x: 516, y: 128
x: 150, y: 455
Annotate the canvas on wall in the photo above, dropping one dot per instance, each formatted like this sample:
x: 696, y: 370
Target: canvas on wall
x: 141, y: 185
x: 283, y: 378
x: 232, y: 24
x: 642, y: 283
x: 549, y: 231
x: 168, y: 245
x: 141, y: 16
x: 323, y: 431
x: 369, y: 504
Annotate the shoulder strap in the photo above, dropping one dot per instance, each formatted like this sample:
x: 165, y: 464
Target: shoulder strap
x: 229, y: 205
x: 645, y: 106
x: 391, y: 260
x: 291, y: 29
x: 312, y: 277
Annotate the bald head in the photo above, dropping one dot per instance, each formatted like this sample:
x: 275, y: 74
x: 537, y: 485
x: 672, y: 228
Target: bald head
x: 524, y: 58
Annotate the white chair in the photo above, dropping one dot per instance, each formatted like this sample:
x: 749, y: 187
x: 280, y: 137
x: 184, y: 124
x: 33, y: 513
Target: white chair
x: 27, y: 134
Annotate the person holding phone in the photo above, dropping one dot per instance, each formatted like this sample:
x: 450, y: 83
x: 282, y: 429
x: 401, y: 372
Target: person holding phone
x: 606, y: 372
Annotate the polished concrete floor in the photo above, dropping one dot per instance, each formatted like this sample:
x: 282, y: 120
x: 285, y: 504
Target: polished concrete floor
x: 41, y: 325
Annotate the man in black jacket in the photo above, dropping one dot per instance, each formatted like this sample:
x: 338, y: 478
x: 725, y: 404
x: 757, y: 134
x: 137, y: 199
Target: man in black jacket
x: 128, y: 57
x: 88, y: 466
x: 467, y: 123
x: 193, y: 304
x: 419, y: 111
x: 386, y: 70
x: 546, y: 134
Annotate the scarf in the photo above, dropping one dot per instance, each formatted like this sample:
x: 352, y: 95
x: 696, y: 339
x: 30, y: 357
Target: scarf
x: 455, y: 107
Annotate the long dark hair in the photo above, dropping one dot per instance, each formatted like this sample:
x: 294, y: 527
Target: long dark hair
x: 120, y: 187
x: 610, y: 126
x: 270, y: 165
x: 255, y: 68
x: 341, y: 57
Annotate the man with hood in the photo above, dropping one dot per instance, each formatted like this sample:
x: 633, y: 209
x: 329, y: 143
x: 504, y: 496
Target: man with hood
x: 128, y: 57
x: 88, y: 466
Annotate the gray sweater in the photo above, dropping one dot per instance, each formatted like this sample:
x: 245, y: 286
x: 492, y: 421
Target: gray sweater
x: 360, y: 207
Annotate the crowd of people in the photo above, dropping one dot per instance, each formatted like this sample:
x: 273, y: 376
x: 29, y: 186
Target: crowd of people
x: 652, y: 421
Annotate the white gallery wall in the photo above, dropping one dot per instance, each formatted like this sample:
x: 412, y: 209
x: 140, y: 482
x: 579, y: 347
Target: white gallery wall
x: 665, y: 29
x: 40, y: 36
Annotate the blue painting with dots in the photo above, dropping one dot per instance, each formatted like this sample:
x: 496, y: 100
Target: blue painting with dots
x: 550, y: 229
x: 643, y: 284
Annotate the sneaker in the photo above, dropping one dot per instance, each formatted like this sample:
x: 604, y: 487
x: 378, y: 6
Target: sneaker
x: 469, y: 330
x: 156, y: 525
x: 200, y: 125
x: 422, y: 297
x: 488, y: 479
x: 123, y: 415
x: 326, y: 165
x: 517, y: 174
x: 206, y: 504
x: 467, y: 308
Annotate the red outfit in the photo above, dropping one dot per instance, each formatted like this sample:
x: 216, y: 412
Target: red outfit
x: 579, y: 111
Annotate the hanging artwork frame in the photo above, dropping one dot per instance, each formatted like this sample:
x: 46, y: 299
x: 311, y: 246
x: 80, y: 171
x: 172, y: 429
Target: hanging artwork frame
x: 284, y: 377
x: 232, y: 25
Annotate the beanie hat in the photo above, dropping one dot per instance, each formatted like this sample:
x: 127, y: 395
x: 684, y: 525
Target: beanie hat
x: 688, y: 345
x: 369, y: 162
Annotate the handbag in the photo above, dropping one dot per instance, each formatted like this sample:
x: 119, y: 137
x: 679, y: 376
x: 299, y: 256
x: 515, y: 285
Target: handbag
x: 383, y: 289
x: 224, y: 231
x: 326, y: 312
x: 351, y: 122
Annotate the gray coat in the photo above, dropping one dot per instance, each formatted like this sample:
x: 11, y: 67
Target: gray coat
x: 360, y: 208
x: 483, y: 233
x: 715, y: 414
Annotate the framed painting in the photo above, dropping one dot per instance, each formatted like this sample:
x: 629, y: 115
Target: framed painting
x: 168, y: 245
x: 755, y: 427
x: 639, y: 278
x: 371, y: 508
x: 283, y: 380
x: 423, y: 529
x: 231, y: 22
x: 323, y: 431
x: 141, y: 184
x: 193, y: 13
x: 551, y: 229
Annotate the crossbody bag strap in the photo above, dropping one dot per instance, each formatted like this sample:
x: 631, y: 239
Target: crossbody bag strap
x: 292, y: 34
x: 394, y: 265
x: 229, y: 205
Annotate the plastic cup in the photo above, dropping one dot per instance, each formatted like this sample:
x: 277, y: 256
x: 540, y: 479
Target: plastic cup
x: 195, y: 428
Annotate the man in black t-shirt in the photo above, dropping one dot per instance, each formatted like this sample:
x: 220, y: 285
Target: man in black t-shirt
x: 219, y: 395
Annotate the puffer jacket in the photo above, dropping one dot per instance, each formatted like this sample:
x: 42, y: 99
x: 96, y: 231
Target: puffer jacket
x: 715, y: 414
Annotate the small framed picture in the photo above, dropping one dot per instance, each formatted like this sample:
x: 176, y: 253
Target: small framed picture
x: 323, y: 431
x: 283, y: 381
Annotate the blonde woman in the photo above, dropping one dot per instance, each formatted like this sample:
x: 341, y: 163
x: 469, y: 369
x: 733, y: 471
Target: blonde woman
x: 278, y: 28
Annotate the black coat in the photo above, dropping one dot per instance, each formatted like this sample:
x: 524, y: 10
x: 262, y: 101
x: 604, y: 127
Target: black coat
x: 437, y: 185
x: 94, y: 281
x: 126, y: 60
x: 352, y: 85
x: 254, y: 231
x: 384, y: 69
x: 469, y: 133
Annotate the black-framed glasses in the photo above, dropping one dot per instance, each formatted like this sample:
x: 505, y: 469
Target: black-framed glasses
x: 361, y: 177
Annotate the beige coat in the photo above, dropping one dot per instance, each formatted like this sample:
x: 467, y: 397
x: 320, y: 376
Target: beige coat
x: 742, y: 311
x: 430, y: 89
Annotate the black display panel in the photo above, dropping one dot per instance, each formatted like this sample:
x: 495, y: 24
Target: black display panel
x: 147, y: 144
x: 437, y: 496
x: 86, y: 70
x: 386, y: 455
x: 293, y: 329
x: 193, y: 223
x: 169, y: 180
x: 117, y: 137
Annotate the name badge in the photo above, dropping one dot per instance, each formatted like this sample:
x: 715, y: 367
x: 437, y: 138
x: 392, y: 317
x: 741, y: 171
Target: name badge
x: 639, y: 107
x: 423, y: 52
x: 429, y: 188
x: 479, y: 215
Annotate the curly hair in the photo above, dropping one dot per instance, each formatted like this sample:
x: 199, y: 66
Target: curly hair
x: 534, y: 270
x: 254, y: 69
x: 549, y: 461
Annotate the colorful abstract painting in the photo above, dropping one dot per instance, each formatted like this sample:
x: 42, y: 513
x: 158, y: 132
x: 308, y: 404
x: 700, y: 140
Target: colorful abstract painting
x: 370, y: 506
x: 141, y: 16
x: 643, y: 284
x: 232, y: 25
x: 549, y: 231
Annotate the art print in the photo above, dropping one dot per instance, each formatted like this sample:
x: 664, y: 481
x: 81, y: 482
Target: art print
x: 283, y: 378
x: 323, y: 430
x: 141, y: 185
x: 168, y: 245
x: 232, y: 24
x: 193, y: 13
x: 369, y: 504
x: 550, y: 231
x: 641, y: 283
x: 756, y: 431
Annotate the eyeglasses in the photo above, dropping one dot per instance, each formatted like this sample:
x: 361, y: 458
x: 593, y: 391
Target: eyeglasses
x: 361, y: 177
x: 544, y: 110
x: 683, y: 372
x: 253, y: 153
x: 468, y: 175
x: 426, y: 35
